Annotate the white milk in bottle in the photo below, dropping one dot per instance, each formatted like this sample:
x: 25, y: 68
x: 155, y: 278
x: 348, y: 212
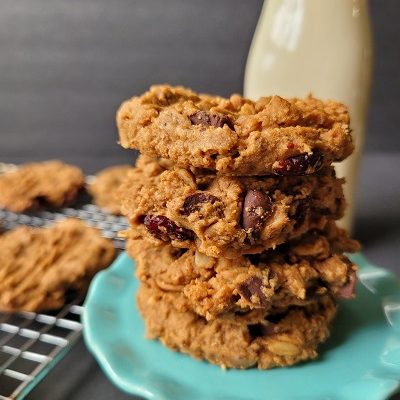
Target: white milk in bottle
x: 318, y: 46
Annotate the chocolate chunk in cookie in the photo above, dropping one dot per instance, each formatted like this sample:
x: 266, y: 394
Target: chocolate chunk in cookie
x: 251, y: 290
x: 256, y: 209
x: 206, y: 119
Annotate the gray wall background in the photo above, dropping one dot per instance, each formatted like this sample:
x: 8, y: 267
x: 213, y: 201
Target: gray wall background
x: 65, y: 65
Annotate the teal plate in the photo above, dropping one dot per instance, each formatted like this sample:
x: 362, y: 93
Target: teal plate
x: 360, y: 361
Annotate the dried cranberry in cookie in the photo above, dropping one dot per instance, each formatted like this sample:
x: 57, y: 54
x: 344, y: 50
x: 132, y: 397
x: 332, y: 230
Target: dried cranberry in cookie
x: 164, y: 229
x: 252, y: 291
x: 302, y: 164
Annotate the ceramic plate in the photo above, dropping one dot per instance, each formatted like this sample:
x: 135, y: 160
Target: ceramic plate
x: 360, y: 361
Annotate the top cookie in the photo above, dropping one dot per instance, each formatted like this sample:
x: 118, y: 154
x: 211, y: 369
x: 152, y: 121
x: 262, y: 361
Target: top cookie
x: 31, y: 186
x: 236, y: 136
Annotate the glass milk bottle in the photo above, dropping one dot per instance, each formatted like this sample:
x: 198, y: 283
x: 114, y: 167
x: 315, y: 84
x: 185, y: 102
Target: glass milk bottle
x: 318, y: 46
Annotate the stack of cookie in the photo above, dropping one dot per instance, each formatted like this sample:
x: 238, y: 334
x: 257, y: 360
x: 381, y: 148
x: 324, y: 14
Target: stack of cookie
x: 232, y: 211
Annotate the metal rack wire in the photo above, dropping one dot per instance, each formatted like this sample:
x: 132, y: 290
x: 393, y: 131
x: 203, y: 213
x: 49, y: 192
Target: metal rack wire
x: 31, y: 344
x: 108, y: 224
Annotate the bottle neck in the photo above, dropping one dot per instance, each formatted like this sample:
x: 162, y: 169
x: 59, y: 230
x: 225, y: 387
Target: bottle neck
x: 286, y: 22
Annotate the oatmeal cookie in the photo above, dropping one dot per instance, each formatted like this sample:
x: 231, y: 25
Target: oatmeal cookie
x: 226, y: 216
x: 40, y: 266
x: 236, y: 136
x: 104, y: 188
x: 275, y: 341
x: 49, y: 184
x: 295, y: 273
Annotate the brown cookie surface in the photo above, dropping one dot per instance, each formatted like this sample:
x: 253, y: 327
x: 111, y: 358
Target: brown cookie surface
x: 293, y: 274
x: 236, y: 136
x: 104, y: 188
x: 43, y: 184
x: 278, y: 341
x: 226, y: 216
x: 40, y: 266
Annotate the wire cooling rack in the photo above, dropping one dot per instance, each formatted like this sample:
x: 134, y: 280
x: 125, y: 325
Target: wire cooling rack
x: 108, y: 224
x: 32, y: 344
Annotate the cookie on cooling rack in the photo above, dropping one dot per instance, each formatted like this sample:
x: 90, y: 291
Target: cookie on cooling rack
x: 104, y: 188
x: 40, y: 266
x: 35, y: 185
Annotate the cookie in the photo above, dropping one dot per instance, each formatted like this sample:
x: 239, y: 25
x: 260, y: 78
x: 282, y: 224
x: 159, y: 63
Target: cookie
x: 39, y: 267
x: 104, y: 188
x: 278, y: 341
x: 44, y: 184
x: 295, y: 273
x: 236, y: 136
x: 226, y: 216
